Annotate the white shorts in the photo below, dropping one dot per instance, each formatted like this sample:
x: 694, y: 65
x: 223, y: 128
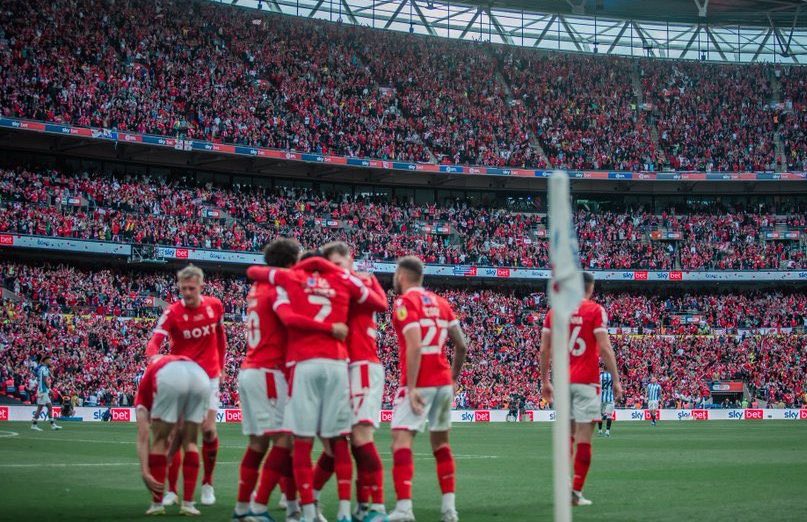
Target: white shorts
x: 183, y: 392
x: 652, y: 405
x: 214, y: 394
x: 585, y: 402
x: 43, y: 399
x: 437, y: 409
x: 607, y: 409
x: 366, y: 392
x: 319, y: 399
x: 264, y: 394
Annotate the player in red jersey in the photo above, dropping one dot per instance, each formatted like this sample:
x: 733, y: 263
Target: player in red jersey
x: 195, y: 328
x: 366, y: 393
x: 263, y: 388
x: 173, y: 393
x: 588, y: 341
x: 319, y: 391
x: 423, y: 322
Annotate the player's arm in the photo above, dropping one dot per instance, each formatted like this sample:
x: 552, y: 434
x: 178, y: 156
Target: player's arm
x: 609, y: 359
x: 221, y: 338
x: 161, y: 332
x: 275, y: 276
x: 292, y: 319
x: 546, y: 359
x: 143, y: 447
x: 460, y: 349
x: 413, y: 355
x: 360, y: 293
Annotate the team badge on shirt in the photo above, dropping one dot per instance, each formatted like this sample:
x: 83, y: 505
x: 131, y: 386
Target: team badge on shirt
x: 401, y: 312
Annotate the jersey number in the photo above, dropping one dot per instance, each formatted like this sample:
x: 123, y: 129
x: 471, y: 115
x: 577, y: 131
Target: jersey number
x: 253, y: 329
x: 325, y: 303
x: 576, y: 345
x: 431, y: 332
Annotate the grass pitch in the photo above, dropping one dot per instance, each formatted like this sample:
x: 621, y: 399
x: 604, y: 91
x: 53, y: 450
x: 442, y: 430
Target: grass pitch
x: 677, y: 471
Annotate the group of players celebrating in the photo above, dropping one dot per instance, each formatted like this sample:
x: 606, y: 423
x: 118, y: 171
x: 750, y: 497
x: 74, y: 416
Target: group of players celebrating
x: 311, y: 371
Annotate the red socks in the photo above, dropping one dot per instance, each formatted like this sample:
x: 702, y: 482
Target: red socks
x: 173, y: 471
x: 403, y: 469
x: 370, y: 473
x: 277, y: 464
x: 248, y: 473
x: 209, y: 450
x: 445, y: 469
x: 190, y: 473
x: 343, y: 466
x: 323, y: 470
x: 582, y: 461
x: 303, y: 470
x: 157, y: 464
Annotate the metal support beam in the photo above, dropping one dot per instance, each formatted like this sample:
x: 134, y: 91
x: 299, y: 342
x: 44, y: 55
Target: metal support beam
x: 530, y: 24
x: 426, y: 23
x: 702, y: 7
x: 762, y: 45
x: 691, y: 41
x: 373, y: 5
x: 452, y: 15
x: 350, y: 14
x: 645, y: 43
x: 499, y: 29
x: 618, y: 37
x: 568, y: 29
x: 316, y: 8
x: 717, y: 45
x: 546, y: 30
x: 471, y: 23
x: 395, y: 14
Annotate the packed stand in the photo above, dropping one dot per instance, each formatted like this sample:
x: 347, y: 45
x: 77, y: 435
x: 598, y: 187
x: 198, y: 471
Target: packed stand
x: 106, y: 317
x: 793, y: 116
x: 213, y: 72
x: 142, y: 210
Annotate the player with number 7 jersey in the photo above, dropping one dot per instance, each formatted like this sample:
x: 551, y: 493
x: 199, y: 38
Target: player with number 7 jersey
x: 319, y: 403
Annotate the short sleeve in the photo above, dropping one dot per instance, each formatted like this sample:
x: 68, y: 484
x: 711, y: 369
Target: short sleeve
x: 165, y: 323
x: 404, y: 314
x: 600, y: 320
x: 448, y: 313
x: 548, y: 322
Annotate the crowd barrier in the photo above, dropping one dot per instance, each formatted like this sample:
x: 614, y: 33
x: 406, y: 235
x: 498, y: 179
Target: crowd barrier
x: 260, y: 152
x: 233, y: 415
x: 230, y: 257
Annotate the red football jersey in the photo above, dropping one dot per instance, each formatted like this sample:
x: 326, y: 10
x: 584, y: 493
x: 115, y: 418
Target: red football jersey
x: 361, y: 338
x: 322, y: 297
x: 584, y: 358
x: 197, y: 333
x: 148, y: 384
x: 266, y: 335
x: 419, y: 308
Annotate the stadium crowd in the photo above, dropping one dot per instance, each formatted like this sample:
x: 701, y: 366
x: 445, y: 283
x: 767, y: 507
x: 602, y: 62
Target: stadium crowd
x: 96, y: 323
x: 199, y: 70
x: 142, y: 210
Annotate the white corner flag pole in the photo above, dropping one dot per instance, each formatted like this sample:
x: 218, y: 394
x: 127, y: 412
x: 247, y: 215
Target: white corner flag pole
x: 565, y: 293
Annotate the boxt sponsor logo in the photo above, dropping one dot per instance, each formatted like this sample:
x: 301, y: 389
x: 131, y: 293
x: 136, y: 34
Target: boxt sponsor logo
x: 482, y: 416
x: 753, y: 414
x: 4, y: 413
x: 232, y: 415
x: 386, y: 415
x: 121, y: 415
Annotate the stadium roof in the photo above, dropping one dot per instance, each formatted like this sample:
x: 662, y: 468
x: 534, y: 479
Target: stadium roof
x: 781, y: 13
x: 713, y: 30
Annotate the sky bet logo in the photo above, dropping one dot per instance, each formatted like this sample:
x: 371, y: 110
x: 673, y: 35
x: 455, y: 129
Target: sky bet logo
x: 121, y: 415
x: 482, y: 416
x: 700, y: 415
x: 736, y: 414
x: 753, y: 414
x: 3, y: 413
x: 232, y: 415
x: 789, y: 414
x: 386, y: 415
x: 467, y: 416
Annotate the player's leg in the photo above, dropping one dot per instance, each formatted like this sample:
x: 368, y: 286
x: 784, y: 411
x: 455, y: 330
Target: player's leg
x: 157, y: 461
x: 52, y: 421
x: 174, y: 465
x: 403, y: 471
x: 210, y: 445
x: 367, y: 390
x: 335, y: 425
x: 302, y: 418
x: 586, y: 410
x: 324, y: 468
x: 190, y: 466
x: 609, y: 418
x: 439, y: 425
x: 37, y: 413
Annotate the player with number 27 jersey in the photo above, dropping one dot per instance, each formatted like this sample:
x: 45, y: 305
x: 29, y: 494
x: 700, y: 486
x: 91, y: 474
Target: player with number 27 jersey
x: 584, y: 361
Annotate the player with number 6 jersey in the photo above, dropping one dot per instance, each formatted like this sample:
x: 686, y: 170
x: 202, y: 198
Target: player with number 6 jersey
x: 588, y: 341
x: 423, y: 322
